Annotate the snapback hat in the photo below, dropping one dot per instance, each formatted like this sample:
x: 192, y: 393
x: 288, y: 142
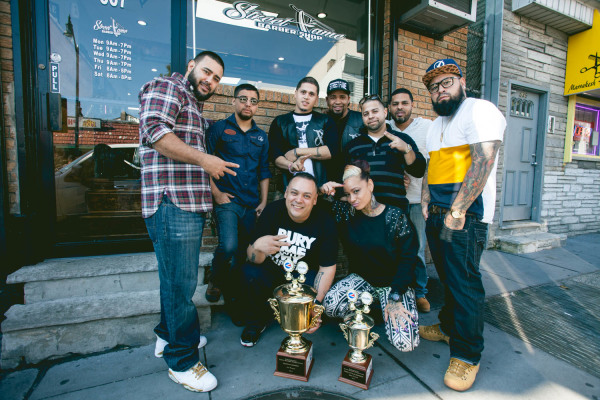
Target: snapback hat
x: 338, y: 84
x: 443, y: 66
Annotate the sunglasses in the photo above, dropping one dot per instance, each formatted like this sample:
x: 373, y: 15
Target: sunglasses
x: 245, y: 100
x: 370, y: 97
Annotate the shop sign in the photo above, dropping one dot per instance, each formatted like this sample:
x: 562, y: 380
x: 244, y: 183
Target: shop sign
x: 86, y: 123
x: 113, y: 28
x: 304, y: 25
x: 583, y: 60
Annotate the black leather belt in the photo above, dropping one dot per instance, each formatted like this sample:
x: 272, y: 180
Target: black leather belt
x: 433, y: 209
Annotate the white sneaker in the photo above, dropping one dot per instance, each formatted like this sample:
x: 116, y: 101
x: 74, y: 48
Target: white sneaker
x: 196, y: 379
x: 161, y: 343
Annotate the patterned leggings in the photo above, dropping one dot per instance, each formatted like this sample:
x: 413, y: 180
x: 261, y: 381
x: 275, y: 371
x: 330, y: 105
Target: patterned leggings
x: 336, y: 305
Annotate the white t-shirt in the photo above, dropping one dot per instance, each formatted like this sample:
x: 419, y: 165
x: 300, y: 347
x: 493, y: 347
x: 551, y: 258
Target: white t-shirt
x: 302, y: 122
x: 448, y: 142
x: 417, y: 130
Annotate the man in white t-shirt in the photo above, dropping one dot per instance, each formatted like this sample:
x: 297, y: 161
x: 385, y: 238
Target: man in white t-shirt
x: 458, y: 200
x: 400, y: 109
x: 304, y: 139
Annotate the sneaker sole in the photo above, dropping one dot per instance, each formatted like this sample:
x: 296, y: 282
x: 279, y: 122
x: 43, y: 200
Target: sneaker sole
x: 188, y: 387
x: 250, y: 344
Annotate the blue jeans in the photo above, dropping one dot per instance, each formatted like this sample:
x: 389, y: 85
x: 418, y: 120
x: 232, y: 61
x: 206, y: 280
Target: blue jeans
x: 456, y: 255
x: 235, y: 224
x: 177, y: 237
x: 259, y: 282
x: 416, y: 217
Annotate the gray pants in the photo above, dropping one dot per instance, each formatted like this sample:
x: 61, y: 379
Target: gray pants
x: 336, y: 305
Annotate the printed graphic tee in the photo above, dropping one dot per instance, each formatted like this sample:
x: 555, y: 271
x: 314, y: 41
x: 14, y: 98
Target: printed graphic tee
x: 448, y: 141
x: 314, y: 241
x: 302, y: 121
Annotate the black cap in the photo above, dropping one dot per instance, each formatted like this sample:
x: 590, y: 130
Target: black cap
x: 338, y: 84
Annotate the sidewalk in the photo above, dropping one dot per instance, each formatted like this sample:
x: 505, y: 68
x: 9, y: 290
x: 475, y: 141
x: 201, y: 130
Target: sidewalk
x: 513, y: 366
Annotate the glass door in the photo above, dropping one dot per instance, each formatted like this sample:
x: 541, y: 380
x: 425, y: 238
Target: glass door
x: 102, y: 52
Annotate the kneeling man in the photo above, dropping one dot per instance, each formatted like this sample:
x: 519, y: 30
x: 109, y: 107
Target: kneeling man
x: 290, y: 228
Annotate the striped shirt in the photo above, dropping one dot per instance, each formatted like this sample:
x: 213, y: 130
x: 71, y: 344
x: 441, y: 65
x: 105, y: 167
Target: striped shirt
x: 387, y: 165
x: 168, y: 105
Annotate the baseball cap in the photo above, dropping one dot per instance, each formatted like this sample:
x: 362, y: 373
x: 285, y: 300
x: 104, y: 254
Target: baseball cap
x: 338, y: 84
x: 442, y: 66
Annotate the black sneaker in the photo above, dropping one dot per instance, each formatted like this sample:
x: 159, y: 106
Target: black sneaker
x: 251, y: 334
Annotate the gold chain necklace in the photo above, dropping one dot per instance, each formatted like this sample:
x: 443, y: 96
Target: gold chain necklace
x: 445, y: 127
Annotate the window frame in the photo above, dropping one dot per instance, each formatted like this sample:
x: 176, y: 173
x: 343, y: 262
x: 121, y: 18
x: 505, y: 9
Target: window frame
x: 568, y: 152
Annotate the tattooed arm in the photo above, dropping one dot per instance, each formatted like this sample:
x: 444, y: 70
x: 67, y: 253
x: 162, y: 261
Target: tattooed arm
x: 323, y: 281
x: 483, y: 156
x: 425, y: 195
x: 322, y: 284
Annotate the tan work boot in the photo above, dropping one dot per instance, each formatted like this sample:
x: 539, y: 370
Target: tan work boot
x: 433, y: 333
x: 423, y: 305
x: 460, y: 375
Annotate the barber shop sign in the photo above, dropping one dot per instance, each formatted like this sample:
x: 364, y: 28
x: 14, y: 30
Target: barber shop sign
x: 304, y: 25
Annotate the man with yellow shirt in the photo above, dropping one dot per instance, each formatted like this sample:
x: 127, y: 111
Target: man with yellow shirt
x: 458, y: 200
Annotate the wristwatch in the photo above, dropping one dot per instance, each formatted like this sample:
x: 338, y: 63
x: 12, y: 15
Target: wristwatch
x: 456, y: 214
x: 394, y: 296
x: 408, y: 148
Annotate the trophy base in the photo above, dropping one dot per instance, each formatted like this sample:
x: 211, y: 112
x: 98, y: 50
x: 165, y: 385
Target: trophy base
x: 294, y: 366
x: 357, y: 374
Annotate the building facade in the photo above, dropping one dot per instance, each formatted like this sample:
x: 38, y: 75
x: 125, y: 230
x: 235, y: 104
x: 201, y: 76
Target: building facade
x: 71, y: 72
x: 549, y: 89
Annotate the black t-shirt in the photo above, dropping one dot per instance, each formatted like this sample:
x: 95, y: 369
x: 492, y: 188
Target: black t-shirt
x: 381, y: 249
x: 340, y: 123
x: 314, y: 241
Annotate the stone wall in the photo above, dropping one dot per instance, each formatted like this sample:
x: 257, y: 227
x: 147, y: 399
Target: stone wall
x: 536, y: 54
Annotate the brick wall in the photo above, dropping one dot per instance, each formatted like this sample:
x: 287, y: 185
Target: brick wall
x: 416, y: 53
x: 271, y: 105
x: 8, y: 105
x: 536, y: 54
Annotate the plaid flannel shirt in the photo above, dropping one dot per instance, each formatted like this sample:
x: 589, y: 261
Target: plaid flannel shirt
x: 167, y: 104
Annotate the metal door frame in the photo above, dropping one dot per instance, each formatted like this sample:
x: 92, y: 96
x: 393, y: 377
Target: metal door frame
x: 540, y: 147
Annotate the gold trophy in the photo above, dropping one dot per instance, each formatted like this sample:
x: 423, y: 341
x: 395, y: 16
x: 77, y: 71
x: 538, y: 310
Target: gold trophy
x: 357, y: 367
x: 293, y: 303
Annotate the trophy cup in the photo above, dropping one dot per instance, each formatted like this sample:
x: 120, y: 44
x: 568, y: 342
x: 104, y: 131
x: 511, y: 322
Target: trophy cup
x: 292, y: 304
x: 357, y: 367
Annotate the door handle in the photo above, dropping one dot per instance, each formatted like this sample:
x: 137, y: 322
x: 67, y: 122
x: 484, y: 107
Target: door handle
x: 534, y: 162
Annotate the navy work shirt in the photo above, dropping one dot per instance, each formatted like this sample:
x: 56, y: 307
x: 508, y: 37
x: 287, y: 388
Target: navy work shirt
x: 249, y: 149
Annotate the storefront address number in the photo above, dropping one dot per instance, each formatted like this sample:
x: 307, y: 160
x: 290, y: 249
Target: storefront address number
x: 113, y: 3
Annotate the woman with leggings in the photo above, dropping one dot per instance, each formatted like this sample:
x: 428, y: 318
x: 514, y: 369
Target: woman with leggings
x: 381, y: 246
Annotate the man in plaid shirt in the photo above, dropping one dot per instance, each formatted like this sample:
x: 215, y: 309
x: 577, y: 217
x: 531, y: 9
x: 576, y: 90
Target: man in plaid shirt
x: 175, y: 198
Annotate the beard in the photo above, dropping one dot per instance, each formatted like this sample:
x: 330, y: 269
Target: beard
x: 193, y: 79
x: 244, y: 117
x: 449, y: 107
x: 401, y: 120
x: 375, y: 127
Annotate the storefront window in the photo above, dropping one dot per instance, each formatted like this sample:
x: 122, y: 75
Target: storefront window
x: 273, y: 44
x: 585, y: 130
x: 102, y: 52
